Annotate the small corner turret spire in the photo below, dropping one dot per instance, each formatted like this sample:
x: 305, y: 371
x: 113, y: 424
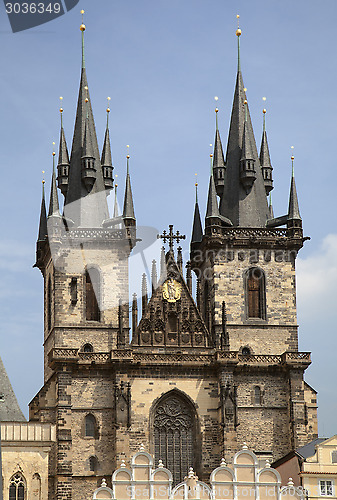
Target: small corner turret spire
x: 271, y: 210
x: 63, y: 161
x: 116, y: 214
x: 294, y: 210
x: 247, y: 162
x: 128, y: 208
x: 42, y: 235
x: 106, y: 160
x: 197, y: 231
x: 54, y: 210
x: 267, y: 169
x: 218, y: 158
x: 212, y: 211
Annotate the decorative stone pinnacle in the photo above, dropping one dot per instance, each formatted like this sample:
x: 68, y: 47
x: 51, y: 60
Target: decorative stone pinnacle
x: 223, y: 463
x: 290, y: 482
x: 141, y: 448
x: 123, y: 464
x: 160, y: 463
x: 245, y: 447
x: 103, y: 485
x: 267, y: 464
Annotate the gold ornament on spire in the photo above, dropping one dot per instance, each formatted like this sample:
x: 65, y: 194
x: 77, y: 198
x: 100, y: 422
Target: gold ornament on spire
x: 108, y: 108
x: 82, y: 27
x: 54, y: 149
x: 238, y: 31
x: 61, y: 109
x: 128, y: 148
x: 196, y: 180
x: 43, y: 181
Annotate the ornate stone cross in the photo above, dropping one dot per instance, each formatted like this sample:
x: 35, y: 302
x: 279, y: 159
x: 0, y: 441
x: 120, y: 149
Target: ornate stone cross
x: 170, y: 237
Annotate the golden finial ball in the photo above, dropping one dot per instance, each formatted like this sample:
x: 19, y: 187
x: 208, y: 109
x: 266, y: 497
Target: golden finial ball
x: 116, y: 185
x: 43, y: 182
x: 61, y: 110
x: 264, y: 111
x: 211, y: 156
x: 82, y: 27
x: 293, y: 157
x: 238, y: 32
x: 128, y: 156
x: 86, y: 99
x: 216, y: 110
x: 108, y: 110
x: 54, y: 153
x: 245, y: 101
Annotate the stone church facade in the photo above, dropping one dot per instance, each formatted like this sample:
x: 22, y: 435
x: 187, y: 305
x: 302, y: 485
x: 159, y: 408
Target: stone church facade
x: 200, y: 376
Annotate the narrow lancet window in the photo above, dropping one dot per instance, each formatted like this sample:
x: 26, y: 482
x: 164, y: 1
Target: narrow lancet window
x: 92, y: 283
x: 255, y: 291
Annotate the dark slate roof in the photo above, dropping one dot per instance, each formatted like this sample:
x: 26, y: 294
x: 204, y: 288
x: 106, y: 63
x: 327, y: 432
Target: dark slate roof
x: 244, y: 210
x: 308, y: 450
x: 90, y: 209
x: 63, y: 149
x: 212, y: 202
x: 9, y: 408
x: 87, y: 149
x: 128, y: 209
x: 106, y: 159
x: 294, y: 210
x: 43, y: 219
x: 54, y: 202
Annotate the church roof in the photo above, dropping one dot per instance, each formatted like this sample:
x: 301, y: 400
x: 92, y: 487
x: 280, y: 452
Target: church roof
x: 244, y: 209
x: 9, y: 408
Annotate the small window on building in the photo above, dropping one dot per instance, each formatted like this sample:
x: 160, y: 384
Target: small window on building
x: 334, y: 457
x: 255, y: 293
x: 326, y: 488
x: 257, y: 395
x: 88, y: 348
x: 246, y: 351
x: 92, y: 299
x: 90, y: 426
x: 17, y: 488
x: 172, y: 323
x: 93, y: 462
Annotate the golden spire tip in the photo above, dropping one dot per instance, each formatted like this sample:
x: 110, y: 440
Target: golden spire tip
x: 264, y: 111
x: 216, y: 110
x: 82, y: 27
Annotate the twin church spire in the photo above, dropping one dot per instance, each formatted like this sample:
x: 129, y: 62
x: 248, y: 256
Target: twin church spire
x: 85, y: 177
x: 243, y: 180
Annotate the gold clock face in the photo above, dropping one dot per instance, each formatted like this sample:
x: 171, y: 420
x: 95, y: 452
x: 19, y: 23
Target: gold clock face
x: 171, y: 290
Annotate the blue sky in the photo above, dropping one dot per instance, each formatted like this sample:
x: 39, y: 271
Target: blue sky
x: 162, y: 63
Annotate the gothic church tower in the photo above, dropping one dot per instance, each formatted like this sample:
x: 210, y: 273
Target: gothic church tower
x: 199, y: 377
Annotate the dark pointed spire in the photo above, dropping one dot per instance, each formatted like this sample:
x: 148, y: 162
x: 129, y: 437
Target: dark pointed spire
x: 294, y: 210
x: 63, y: 161
x: 265, y: 162
x: 197, y: 231
x: 42, y: 236
x: 134, y: 314
x: 180, y: 259
x: 244, y: 209
x: 189, y: 276
x: 54, y: 209
x: 106, y: 159
x: 89, y: 210
x: 212, y: 210
x: 128, y: 209
x: 218, y: 160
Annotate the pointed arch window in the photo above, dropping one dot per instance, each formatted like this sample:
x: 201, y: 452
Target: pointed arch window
x: 255, y: 293
x: 92, y: 295
x: 174, y: 424
x: 257, y: 395
x: 17, y: 487
x: 93, y: 464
